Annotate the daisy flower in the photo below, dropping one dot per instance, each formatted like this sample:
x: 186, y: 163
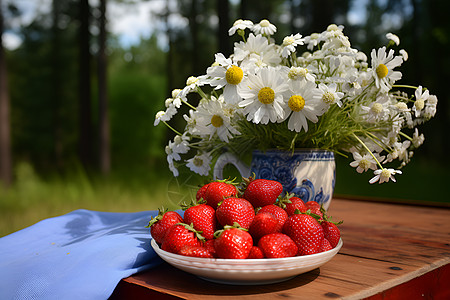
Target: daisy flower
x: 200, y: 163
x: 256, y: 45
x: 312, y: 40
x: 421, y: 97
x: 191, y: 85
x: 377, y: 110
x: 160, y: 116
x: 418, y: 139
x: 264, y: 27
x: 262, y: 96
x: 329, y: 94
x: 213, y: 117
x: 383, y: 175
x: 430, y: 107
x: 394, y: 38
x: 299, y: 73
x: 240, y: 25
x: 302, y: 106
x: 383, y: 65
x: 290, y: 43
x: 226, y: 75
x: 362, y: 163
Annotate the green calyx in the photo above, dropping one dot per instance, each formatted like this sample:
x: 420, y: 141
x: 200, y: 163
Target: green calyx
x: 190, y: 227
x: 236, y: 225
x: 193, y: 203
x: 153, y: 220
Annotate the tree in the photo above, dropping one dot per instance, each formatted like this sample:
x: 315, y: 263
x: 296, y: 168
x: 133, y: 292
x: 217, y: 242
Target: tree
x: 85, y: 110
x: 104, y: 128
x: 5, y: 130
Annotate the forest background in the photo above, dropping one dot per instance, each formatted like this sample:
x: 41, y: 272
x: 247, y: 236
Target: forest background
x: 77, y: 106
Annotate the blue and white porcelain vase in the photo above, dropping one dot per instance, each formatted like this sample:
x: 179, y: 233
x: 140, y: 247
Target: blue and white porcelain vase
x: 308, y: 173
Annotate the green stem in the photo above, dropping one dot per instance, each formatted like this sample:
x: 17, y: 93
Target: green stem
x: 201, y: 93
x: 365, y: 147
x: 173, y: 129
x: 404, y: 86
x: 188, y: 104
x: 406, y: 136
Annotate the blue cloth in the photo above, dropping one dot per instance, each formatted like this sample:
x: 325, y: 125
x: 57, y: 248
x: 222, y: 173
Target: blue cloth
x: 81, y: 255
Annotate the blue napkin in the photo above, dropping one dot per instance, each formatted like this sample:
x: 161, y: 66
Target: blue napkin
x: 81, y: 255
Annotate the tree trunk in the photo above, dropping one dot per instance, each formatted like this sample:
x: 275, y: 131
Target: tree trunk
x: 57, y: 86
x: 104, y: 128
x: 85, y: 110
x: 193, y: 25
x: 223, y: 11
x: 5, y: 129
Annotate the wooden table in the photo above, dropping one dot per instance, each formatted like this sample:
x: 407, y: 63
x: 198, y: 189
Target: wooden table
x: 390, y: 251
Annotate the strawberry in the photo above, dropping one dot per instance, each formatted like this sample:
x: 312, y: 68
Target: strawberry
x: 162, y: 222
x: 331, y: 232
x: 202, y: 216
x: 235, y: 210
x: 278, y: 212
x: 306, y: 232
x: 201, y: 192
x: 263, y: 223
x: 255, y: 253
x: 195, y: 251
x: 180, y: 235
x: 217, y: 191
x: 325, y: 246
x: 294, y: 203
x: 262, y: 192
x: 277, y: 245
x: 312, y: 205
x: 233, y: 242
x: 209, y: 245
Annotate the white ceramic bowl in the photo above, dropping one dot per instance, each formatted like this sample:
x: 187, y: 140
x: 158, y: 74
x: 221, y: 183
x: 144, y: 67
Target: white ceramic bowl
x: 247, y: 271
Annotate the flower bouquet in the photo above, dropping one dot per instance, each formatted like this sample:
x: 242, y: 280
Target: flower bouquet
x: 311, y: 91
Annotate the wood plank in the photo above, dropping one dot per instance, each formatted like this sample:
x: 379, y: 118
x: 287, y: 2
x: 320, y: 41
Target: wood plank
x: 385, y: 246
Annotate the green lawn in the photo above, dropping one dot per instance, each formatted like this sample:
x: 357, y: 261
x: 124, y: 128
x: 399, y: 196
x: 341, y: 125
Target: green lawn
x: 32, y: 198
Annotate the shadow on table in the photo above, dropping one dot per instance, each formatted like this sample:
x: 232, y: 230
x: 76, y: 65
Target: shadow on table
x: 166, y: 278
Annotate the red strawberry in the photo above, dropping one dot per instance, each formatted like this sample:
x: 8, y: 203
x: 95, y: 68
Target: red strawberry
x: 277, y: 245
x: 255, y: 253
x: 217, y: 191
x: 312, y: 205
x: 209, y: 245
x: 306, y: 232
x: 236, y: 210
x: 203, y: 218
x: 162, y: 222
x: 178, y: 236
x: 331, y: 233
x: 278, y: 212
x: 201, y: 192
x: 263, y: 223
x: 325, y: 246
x: 195, y: 251
x: 294, y: 203
x: 262, y: 192
x: 233, y: 242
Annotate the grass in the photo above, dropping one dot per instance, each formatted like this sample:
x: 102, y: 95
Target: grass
x: 33, y: 198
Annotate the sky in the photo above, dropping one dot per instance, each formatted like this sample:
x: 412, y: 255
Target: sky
x: 128, y: 22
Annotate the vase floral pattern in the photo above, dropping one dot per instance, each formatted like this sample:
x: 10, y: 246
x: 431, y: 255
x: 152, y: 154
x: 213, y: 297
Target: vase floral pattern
x: 310, y: 174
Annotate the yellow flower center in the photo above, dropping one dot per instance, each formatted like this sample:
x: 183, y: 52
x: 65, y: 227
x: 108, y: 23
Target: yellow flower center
x: 289, y: 40
x: 364, y: 163
x: 296, y: 103
x: 264, y: 23
x: 295, y: 73
x: 377, y: 108
x: 198, y: 162
x: 382, y: 71
x: 385, y: 173
x: 216, y: 121
x: 234, y: 75
x: 419, y: 104
x: 328, y: 97
x: 266, y: 95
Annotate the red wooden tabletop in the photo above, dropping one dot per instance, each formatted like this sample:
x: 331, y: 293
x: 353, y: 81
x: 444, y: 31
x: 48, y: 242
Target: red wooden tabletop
x: 390, y: 251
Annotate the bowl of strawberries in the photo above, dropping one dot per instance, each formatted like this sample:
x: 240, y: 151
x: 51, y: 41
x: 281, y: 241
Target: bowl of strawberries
x: 245, y: 233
